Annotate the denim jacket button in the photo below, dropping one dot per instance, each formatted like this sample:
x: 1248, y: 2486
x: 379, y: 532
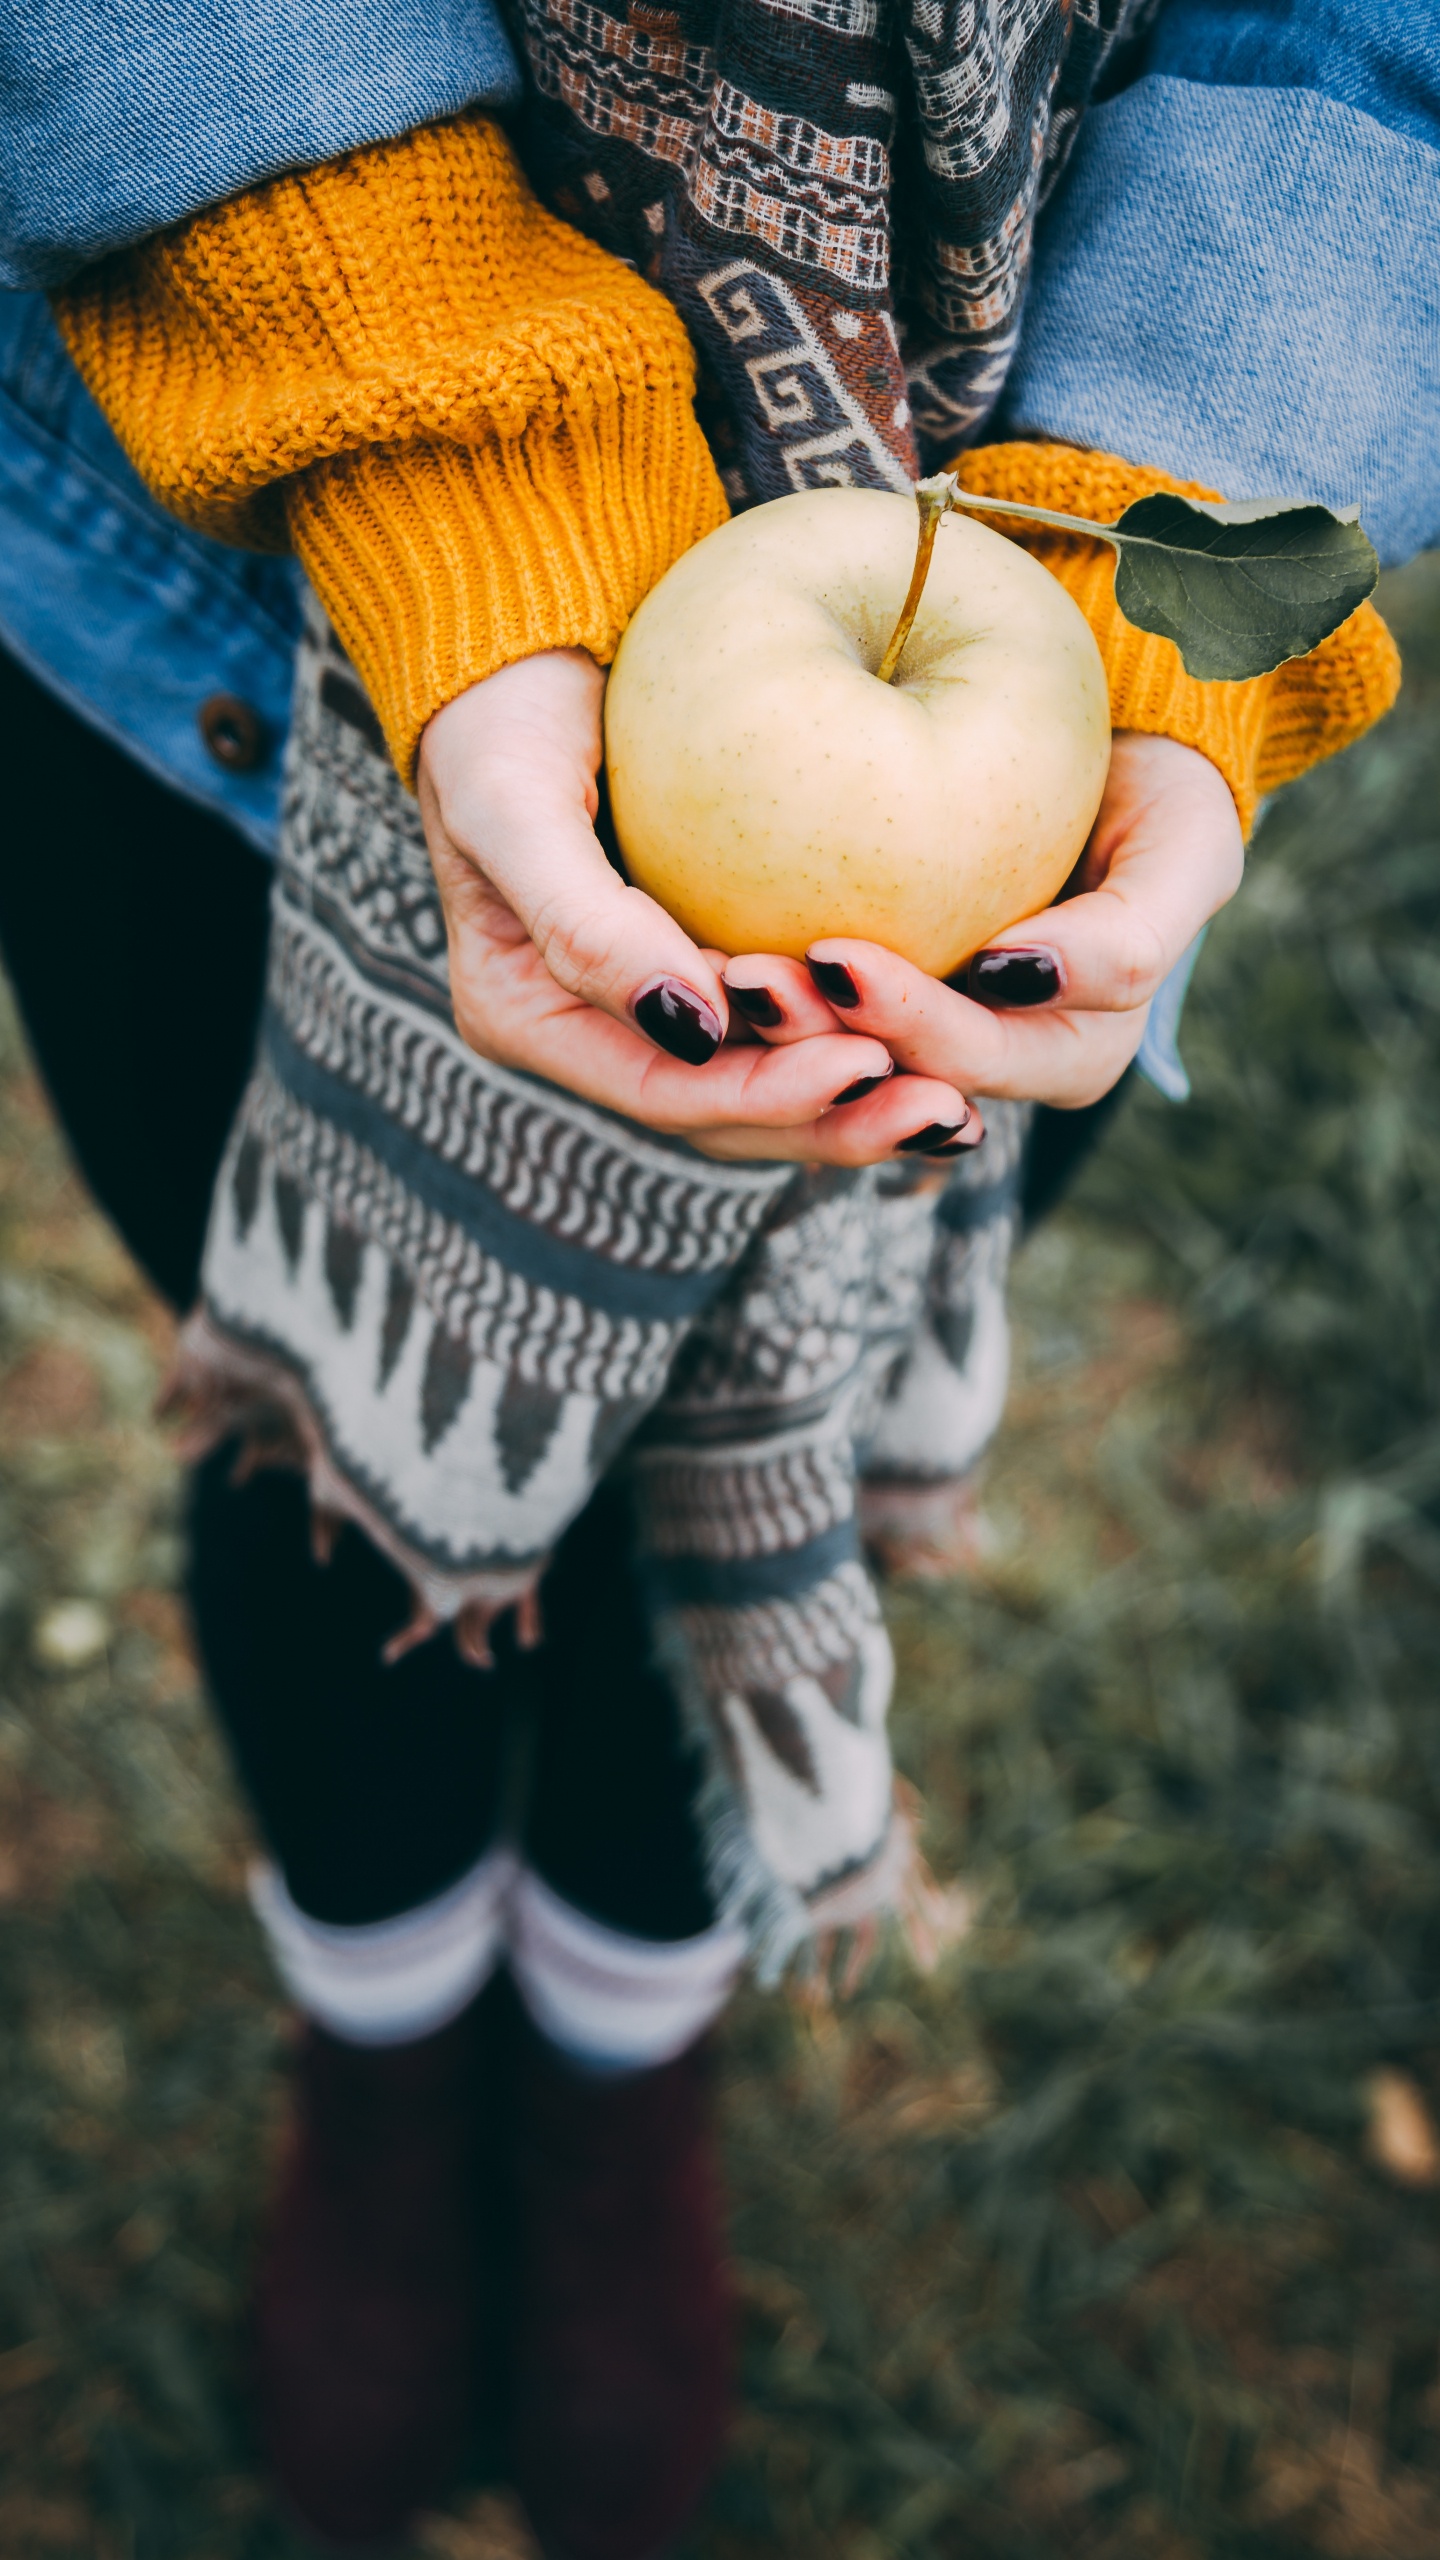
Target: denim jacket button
x: 233, y: 731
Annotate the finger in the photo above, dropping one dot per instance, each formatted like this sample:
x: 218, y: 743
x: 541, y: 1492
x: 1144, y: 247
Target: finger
x: 777, y: 998
x: 893, y: 1132
x: 1166, y: 853
x: 601, y: 940
x: 508, y: 792
x: 1106, y: 951
x: 848, y: 1085
x: 1060, y: 1056
x: 509, y: 1008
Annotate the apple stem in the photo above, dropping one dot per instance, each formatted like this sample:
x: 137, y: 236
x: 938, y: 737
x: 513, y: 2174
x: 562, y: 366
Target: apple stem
x: 933, y: 497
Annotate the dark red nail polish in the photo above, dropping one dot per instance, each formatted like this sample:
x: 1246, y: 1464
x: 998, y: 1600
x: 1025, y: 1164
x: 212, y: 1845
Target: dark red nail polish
x: 1013, y: 977
x: 932, y: 1139
x: 835, y: 983
x: 957, y: 1147
x: 678, y: 1021
x: 862, y: 1085
x: 755, y: 1005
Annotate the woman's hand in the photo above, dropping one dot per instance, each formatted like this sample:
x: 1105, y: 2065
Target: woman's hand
x: 1054, y: 1009
x: 558, y: 968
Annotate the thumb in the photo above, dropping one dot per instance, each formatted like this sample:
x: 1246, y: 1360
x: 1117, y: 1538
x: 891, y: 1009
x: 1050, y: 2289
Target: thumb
x: 507, y: 788
x: 603, y: 941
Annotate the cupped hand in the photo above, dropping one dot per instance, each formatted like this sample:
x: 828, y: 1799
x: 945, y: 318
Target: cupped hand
x: 1054, y: 1009
x: 558, y: 968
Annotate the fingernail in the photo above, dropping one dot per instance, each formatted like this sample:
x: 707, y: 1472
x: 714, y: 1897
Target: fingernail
x: 835, y: 983
x: 862, y: 1085
x: 755, y: 1005
x: 677, y: 1020
x: 1017, y: 976
x: 933, y: 1139
x: 957, y: 1147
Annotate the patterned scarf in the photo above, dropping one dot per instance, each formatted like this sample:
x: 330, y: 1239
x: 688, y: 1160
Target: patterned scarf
x: 838, y: 196
x: 456, y: 1296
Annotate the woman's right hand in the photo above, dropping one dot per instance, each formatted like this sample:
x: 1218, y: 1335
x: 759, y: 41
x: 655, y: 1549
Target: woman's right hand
x: 559, y: 968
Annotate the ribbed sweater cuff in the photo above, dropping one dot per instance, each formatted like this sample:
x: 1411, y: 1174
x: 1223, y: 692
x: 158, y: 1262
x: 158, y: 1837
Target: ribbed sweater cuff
x: 1261, y: 732
x: 474, y: 425
x: 439, y: 563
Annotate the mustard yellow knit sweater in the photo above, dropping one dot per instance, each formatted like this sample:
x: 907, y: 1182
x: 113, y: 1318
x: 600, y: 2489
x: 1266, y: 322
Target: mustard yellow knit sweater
x: 476, y: 430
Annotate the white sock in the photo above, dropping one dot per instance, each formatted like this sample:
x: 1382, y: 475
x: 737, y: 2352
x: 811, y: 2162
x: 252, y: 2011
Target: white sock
x: 389, y: 1981
x: 611, y: 2002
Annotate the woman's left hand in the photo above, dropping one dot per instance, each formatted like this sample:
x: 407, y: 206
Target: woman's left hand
x: 1054, y: 1009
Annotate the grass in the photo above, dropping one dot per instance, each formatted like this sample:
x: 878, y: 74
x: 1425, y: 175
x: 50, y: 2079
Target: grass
x: 1088, y: 2244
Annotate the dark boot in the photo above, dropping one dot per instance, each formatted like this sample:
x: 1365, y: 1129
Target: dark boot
x: 366, y: 2303
x: 623, y: 2385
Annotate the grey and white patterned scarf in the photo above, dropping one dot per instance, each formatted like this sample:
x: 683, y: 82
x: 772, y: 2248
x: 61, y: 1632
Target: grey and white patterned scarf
x: 838, y: 196
x: 456, y: 1296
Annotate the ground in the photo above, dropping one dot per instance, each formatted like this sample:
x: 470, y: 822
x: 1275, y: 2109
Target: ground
x: 1116, y: 2237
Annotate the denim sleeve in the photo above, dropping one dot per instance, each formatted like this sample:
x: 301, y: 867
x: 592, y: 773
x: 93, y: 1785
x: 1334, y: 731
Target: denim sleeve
x: 116, y: 120
x: 138, y: 624
x: 1239, y: 279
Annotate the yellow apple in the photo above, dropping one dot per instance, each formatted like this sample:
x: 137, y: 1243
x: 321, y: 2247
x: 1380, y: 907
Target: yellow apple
x: 768, y: 789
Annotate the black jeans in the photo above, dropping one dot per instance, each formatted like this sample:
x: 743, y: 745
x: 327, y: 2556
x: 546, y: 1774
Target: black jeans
x: 133, y: 929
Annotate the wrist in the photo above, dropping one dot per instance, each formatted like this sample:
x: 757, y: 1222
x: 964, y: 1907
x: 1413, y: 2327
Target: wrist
x: 532, y: 729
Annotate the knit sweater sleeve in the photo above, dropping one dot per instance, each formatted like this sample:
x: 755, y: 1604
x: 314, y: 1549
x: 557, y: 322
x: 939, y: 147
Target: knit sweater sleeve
x: 474, y: 427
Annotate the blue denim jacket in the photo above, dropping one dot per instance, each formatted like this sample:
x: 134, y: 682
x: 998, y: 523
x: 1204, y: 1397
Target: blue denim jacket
x: 117, y: 120
x: 135, y: 622
x: 112, y: 124
x: 1239, y: 280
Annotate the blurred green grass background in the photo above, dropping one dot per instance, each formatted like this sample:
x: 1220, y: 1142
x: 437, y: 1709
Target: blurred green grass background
x: 1119, y: 2236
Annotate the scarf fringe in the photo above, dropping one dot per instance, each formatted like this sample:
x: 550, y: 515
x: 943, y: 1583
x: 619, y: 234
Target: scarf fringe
x: 828, y: 1941
x: 219, y: 1389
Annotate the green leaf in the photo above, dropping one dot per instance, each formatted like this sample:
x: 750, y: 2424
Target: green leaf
x: 1238, y: 587
x: 1241, y: 588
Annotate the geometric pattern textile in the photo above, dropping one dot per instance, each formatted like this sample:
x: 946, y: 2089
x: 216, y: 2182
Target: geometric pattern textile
x: 457, y: 1296
x: 838, y: 196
